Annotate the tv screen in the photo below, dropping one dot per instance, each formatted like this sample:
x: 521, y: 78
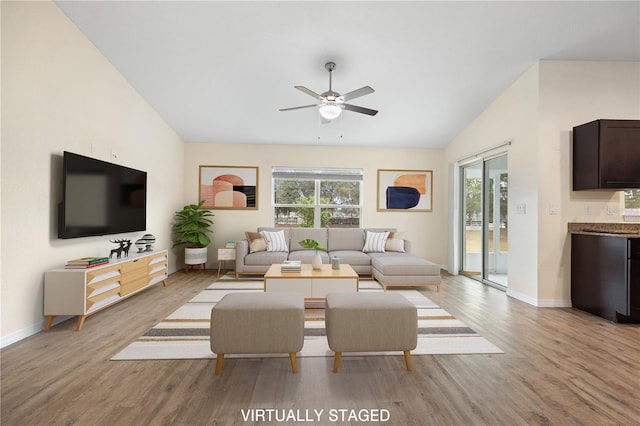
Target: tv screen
x: 101, y: 198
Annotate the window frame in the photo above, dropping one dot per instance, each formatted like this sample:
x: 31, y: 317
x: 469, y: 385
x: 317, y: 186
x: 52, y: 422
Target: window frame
x: 318, y: 176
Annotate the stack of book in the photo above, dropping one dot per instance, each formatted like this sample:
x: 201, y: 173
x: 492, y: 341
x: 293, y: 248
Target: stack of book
x: 86, y: 262
x: 291, y: 266
x: 230, y: 245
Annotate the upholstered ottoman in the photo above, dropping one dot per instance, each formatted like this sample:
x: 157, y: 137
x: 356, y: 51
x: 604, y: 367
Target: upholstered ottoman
x: 405, y: 271
x: 370, y: 322
x: 251, y: 323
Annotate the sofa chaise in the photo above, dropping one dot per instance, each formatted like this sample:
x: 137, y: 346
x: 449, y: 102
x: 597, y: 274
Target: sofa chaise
x: 371, y: 251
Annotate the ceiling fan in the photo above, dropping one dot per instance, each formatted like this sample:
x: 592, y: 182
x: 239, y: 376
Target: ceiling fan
x: 332, y: 103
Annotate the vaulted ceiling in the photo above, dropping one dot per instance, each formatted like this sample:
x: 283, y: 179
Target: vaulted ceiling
x: 220, y: 71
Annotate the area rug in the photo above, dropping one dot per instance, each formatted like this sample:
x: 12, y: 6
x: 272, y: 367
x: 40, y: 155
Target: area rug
x: 185, y: 333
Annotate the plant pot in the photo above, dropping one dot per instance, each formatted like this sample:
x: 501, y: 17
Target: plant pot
x: 316, y: 261
x: 195, y: 256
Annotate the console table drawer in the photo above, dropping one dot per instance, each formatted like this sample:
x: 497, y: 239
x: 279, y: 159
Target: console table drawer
x: 132, y: 286
x: 134, y: 265
x: 134, y: 275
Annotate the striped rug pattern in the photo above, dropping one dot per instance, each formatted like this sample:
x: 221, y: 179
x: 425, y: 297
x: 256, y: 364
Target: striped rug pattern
x: 185, y: 333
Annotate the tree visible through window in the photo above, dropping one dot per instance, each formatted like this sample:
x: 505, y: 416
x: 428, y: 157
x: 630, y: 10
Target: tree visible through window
x: 632, y: 200
x: 317, y: 198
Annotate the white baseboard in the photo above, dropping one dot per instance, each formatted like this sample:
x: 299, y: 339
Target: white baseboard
x: 540, y: 303
x: 554, y: 303
x: 16, y: 336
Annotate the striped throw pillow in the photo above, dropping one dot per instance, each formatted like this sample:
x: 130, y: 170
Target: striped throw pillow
x: 275, y: 241
x: 375, y: 241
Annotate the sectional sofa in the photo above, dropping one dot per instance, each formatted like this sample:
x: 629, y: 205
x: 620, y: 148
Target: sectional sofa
x: 369, y: 251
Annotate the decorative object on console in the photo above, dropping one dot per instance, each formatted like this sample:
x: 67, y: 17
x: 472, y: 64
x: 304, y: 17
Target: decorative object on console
x: 123, y: 247
x: 149, y: 241
x: 405, y: 190
x: 86, y: 262
x: 227, y: 187
x: 316, y: 261
x: 140, y: 245
x: 192, y: 224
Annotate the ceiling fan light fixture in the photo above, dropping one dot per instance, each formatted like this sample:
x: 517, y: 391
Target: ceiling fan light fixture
x: 330, y: 111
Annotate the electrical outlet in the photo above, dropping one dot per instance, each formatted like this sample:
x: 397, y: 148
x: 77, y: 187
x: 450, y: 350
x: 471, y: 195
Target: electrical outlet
x: 521, y: 208
x: 93, y: 148
x: 611, y: 209
x: 553, y: 209
x: 113, y: 155
x: 588, y: 209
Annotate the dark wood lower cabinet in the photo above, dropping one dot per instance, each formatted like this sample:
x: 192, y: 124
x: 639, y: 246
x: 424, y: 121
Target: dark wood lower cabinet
x: 605, y: 276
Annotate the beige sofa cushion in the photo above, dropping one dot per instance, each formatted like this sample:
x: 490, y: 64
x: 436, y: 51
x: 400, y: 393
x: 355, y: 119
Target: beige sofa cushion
x: 345, y: 239
x: 299, y: 234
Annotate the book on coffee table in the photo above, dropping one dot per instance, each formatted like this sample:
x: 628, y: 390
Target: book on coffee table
x: 291, y: 266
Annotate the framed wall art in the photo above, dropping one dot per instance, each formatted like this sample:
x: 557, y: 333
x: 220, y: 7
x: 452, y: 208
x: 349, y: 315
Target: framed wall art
x: 229, y: 187
x: 405, y: 190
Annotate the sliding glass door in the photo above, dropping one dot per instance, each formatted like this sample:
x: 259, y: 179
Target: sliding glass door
x: 496, y: 224
x: 472, y: 219
x: 485, y: 220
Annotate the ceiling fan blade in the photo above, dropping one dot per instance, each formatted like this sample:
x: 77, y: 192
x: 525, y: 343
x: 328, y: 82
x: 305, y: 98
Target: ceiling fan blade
x: 361, y: 110
x: 357, y: 93
x: 299, y: 107
x: 309, y: 92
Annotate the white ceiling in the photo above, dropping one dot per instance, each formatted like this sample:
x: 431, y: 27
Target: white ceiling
x: 219, y: 71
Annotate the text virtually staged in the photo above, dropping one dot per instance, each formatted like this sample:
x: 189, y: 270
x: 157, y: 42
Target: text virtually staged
x: 288, y: 415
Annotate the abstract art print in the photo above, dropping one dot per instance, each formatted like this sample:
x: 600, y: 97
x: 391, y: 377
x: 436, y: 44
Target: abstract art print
x: 228, y: 187
x: 405, y: 190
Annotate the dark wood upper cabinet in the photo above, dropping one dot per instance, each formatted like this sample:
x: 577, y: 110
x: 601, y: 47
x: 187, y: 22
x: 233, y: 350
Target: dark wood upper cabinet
x: 606, y: 154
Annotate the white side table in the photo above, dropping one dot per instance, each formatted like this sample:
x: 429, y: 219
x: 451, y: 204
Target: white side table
x: 226, y: 255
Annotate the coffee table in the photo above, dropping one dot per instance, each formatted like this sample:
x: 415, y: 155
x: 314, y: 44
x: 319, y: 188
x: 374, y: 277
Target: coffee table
x: 312, y: 283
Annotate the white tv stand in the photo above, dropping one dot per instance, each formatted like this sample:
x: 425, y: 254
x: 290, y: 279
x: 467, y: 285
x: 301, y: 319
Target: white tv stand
x: 84, y: 292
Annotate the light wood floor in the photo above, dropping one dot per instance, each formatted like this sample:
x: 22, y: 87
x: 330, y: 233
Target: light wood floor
x: 560, y: 367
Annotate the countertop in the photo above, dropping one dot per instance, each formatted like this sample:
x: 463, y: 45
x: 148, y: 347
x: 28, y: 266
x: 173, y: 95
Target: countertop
x: 624, y: 230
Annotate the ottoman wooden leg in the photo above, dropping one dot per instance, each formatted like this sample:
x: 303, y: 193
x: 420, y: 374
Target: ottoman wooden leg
x: 336, y: 361
x: 294, y: 362
x: 219, y: 364
x: 407, y: 360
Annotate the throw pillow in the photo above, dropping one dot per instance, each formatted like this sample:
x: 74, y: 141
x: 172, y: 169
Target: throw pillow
x: 374, y: 242
x: 256, y: 242
x: 394, y: 244
x: 275, y: 241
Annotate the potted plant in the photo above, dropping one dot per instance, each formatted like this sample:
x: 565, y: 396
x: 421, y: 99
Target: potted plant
x: 308, y: 243
x: 192, y: 224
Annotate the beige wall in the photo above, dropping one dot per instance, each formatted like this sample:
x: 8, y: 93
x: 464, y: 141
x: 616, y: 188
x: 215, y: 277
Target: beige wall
x: 59, y: 93
x: 537, y: 113
x: 512, y: 117
x: 573, y: 93
x: 426, y: 230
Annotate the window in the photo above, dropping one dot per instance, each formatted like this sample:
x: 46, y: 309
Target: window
x: 632, y: 201
x: 317, y: 198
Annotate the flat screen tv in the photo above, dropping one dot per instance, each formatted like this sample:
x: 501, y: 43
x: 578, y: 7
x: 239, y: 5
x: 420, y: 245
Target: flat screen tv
x: 101, y: 198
